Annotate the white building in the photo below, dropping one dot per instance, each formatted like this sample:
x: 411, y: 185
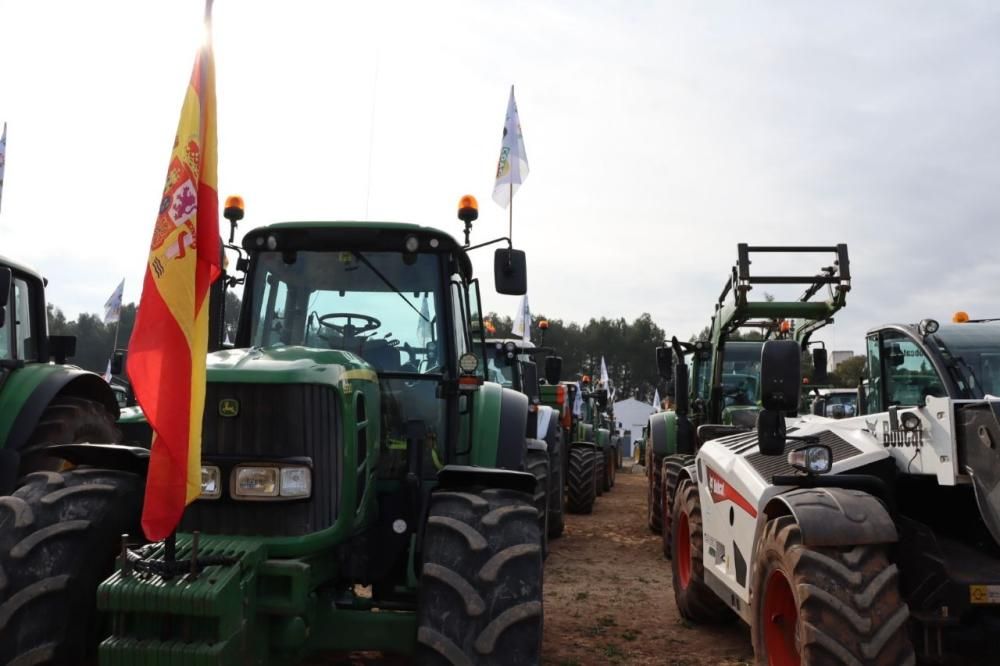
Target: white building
x: 632, y: 415
x: 838, y: 357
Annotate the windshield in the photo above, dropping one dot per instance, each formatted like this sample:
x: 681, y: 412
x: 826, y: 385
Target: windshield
x: 976, y: 351
x: 348, y: 301
x: 502, y: 374
x: 741, y: 373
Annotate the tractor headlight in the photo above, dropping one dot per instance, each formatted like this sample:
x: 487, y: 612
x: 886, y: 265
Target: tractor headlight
x: 814, y: 459
x: 262, y: 482
x: 211, y: 482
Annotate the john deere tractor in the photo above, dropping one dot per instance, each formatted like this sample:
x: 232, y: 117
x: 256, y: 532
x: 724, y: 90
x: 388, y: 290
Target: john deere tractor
x: 363, y: 486
x: 720, y: 392
x: 511, y: 363
x: 42, y: 402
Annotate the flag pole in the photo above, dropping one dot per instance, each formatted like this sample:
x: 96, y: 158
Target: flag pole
x: 510, y: 219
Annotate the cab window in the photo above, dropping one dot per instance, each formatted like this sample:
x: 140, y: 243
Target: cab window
x: 910, y: 377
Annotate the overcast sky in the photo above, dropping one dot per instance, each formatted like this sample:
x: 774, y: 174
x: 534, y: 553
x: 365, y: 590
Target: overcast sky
x: 659, y: 135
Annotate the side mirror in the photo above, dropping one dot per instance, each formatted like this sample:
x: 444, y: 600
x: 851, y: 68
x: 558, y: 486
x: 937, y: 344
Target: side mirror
x: 62, y: 347
x: 820, y: 374
x: 118, y: 363
x: 510, y: 272
x: 780, y: 372
x: 665, y: 362
x: 529, y: 381
x: 771, y: 431
x: 682, y: 401
x: 553, y: 369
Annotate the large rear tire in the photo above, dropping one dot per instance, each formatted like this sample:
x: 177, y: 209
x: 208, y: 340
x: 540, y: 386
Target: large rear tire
x: 670, y: 473
x: 69, y: 420
x: 830, y: 605
x: 557, y: 486
x: 695, y: 600
x: 654, y: 491
x: 580, y: 485
x: 537, y: 463
x: 612, y: 467
x: 59, y: 534
x: 480, y: 593
x: 600, y: 475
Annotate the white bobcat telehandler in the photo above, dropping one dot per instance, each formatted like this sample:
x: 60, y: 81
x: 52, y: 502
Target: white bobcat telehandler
x: 865, y: 540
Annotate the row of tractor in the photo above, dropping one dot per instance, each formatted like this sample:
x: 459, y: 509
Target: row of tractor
x: 865, y: 534
x: 375, y: 474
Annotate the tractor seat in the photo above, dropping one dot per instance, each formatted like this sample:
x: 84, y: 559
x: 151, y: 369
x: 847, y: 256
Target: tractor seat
x: 383, y: 356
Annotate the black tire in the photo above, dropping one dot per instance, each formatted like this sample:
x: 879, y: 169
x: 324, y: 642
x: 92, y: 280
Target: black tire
x: 59, y: 534
x: 537, y: 463
x: 480, y: 591
x: 557, y: 485
x: 612, y: 467
x: 695, y: 600
x: 600, y: 474
x: 846, y: 602
x: 670, y: 472
x: 69, y: 420
x: 580, y: 485
x: 654, y: 491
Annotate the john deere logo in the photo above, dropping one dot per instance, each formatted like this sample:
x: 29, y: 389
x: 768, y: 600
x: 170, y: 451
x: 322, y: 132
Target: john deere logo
x: 229, y: 407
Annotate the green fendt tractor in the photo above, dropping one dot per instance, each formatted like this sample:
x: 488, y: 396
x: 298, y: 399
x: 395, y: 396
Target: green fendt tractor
x: 720, y: 392
x: 589, y: 450
x: 362, y: 485
x: 511, y: 363
x: 41, y: 402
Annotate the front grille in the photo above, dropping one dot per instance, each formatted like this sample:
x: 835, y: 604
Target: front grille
x: 769, y: 466
x: 274, y: 422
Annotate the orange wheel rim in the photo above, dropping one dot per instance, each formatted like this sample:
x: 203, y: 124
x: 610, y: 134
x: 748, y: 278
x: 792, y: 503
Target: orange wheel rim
x: 780, y: 617
x: 684, y: 551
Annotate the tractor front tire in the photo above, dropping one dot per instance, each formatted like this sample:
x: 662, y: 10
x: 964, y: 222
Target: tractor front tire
x: 69, y: 420
x: 480, y: 593
x: 557, y: 487
x: 537, y: 463
x: 670, y: 473
x: 59, y: 534
x: 580, y: 485
x: 612, y: 467
x: 654, y: 491
x: 825, y: 605
x: 695, y: 600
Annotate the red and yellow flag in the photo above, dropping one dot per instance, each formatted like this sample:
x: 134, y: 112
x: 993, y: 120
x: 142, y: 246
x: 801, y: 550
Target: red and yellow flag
x: 170, y: 339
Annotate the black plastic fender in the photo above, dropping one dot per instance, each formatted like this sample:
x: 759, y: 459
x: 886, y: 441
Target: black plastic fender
x: 588, y: 445
x: 72, y: 381
x: 121, y: 457
x: 537, y: 445
x: 660, y: 426
x: 513, y: 424
x: 464, y: 476
x: 835, y: 516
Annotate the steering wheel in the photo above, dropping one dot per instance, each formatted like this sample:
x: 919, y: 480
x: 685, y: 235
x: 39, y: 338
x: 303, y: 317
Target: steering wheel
x: 349, y: 330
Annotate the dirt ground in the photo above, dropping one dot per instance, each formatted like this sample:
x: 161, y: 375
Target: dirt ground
x: 608, y: 597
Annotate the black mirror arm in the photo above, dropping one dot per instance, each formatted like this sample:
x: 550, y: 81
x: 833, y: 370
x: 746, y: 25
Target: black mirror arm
x: 510, y: 246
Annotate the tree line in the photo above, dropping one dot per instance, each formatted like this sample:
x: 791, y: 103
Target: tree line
x: 628, y: 348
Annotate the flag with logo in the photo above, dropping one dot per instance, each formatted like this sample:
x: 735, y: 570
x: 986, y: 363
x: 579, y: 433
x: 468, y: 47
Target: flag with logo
x: 522, y: 322
x: 3, y: 157
x: 512, y: 167
x: 113, y: 306
x: 656, y: 400
x: 170, y: 340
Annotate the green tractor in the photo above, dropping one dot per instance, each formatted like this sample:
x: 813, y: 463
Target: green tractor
x: 41, y: 402
x: 511, y: 363
x: 720, y: 393
x: 363, y: 486
x: 589, y: 452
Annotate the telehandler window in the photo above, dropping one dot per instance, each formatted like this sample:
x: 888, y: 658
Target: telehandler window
x: 910, y: 377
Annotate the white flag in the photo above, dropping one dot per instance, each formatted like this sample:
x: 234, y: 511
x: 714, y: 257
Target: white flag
x: 107, y: 373
x: 424, y: 332
x: 604, y: 375
x: 522, y: 322
x: 3, y: 156
x: 656, y: 400
x: 578, y: 401
x: 512, y: 167
x: 113, y: 306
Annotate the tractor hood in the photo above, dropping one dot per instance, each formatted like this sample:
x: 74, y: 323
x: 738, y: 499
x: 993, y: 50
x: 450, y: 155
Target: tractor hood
x: 304, y: 365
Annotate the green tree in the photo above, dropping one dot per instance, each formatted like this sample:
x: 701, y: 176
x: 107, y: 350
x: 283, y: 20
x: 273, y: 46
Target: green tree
x: 849, y: 372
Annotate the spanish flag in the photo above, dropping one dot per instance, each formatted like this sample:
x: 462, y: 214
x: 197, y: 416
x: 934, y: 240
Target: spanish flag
x: 170, y: 339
